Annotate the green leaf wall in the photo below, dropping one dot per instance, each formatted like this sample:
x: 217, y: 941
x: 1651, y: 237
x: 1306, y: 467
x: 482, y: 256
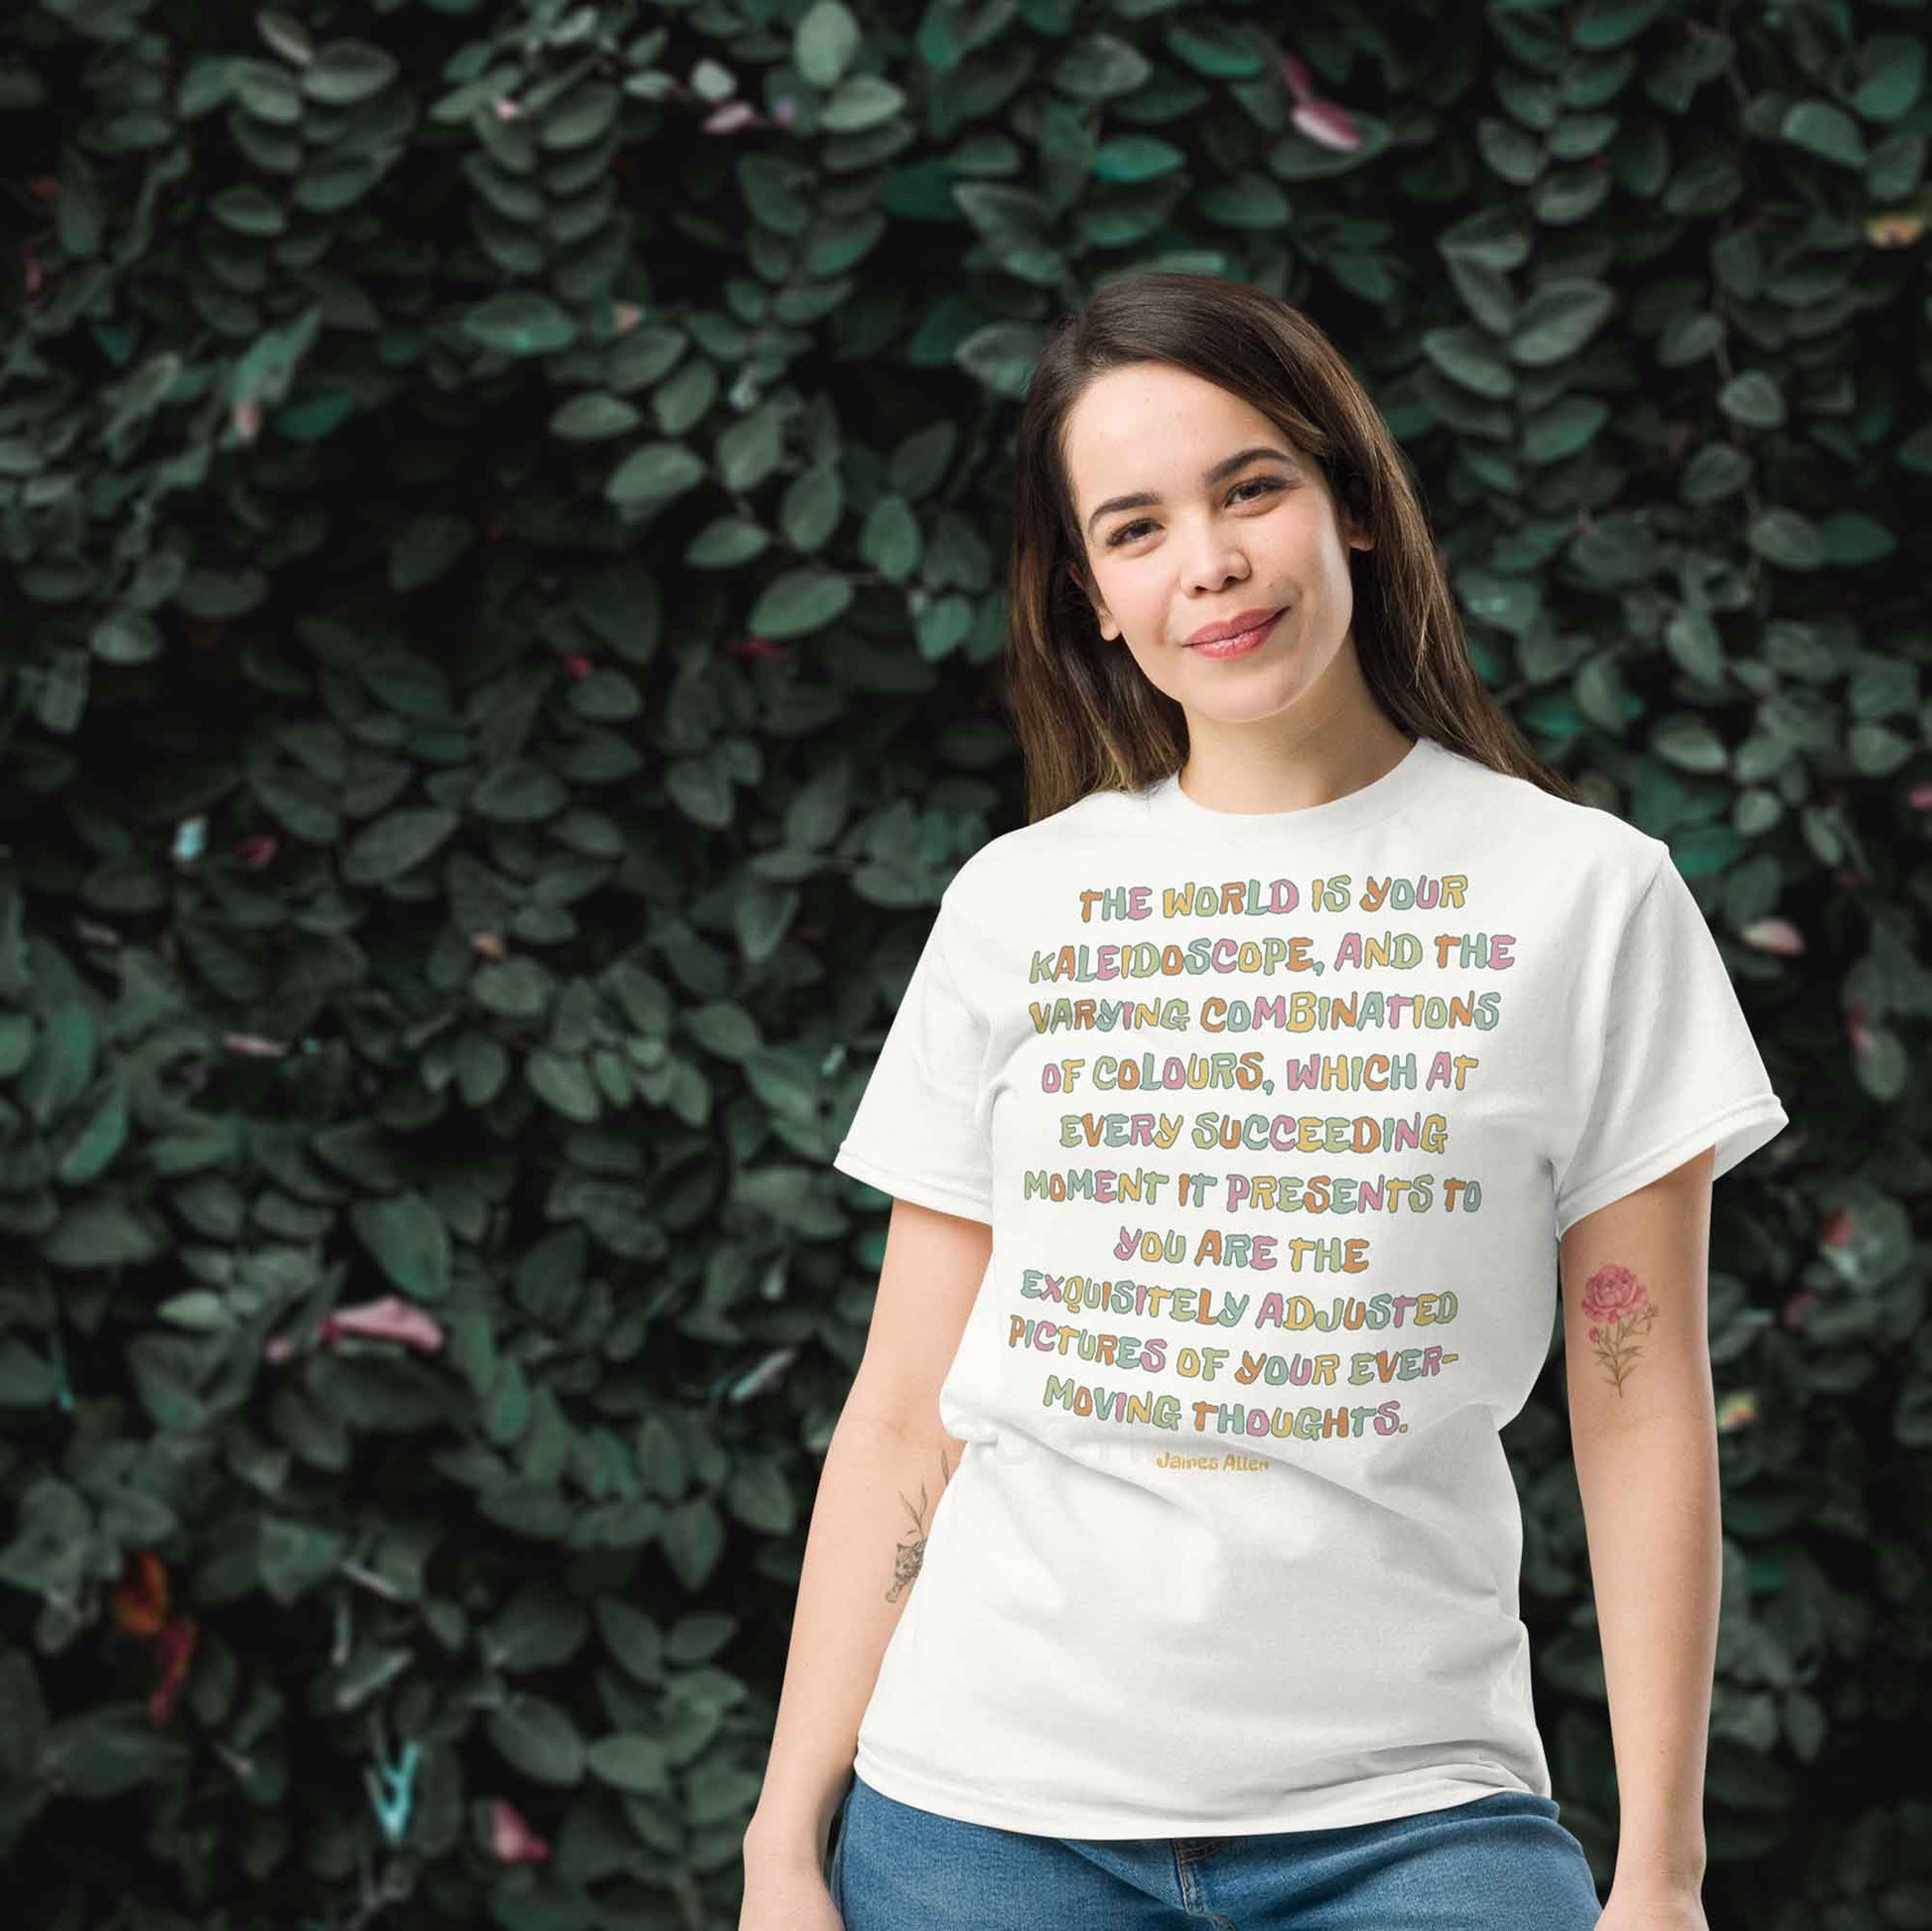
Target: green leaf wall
x: 503, y: 507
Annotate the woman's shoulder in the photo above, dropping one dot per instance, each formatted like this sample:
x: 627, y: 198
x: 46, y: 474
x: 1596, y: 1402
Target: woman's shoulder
x: 1518, y: 816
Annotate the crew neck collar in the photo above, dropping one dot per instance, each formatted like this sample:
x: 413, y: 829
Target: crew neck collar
x: 1168, y: 804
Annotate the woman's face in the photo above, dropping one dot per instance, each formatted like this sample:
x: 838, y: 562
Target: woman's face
x: 1226, y: 520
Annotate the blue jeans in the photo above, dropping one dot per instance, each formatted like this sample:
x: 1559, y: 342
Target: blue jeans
x: 1500, y: 1862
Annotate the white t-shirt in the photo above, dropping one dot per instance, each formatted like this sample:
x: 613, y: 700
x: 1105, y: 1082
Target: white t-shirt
x: 1277, y: 1120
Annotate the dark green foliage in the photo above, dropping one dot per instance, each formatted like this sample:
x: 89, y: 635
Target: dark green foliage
x: 504, y: 510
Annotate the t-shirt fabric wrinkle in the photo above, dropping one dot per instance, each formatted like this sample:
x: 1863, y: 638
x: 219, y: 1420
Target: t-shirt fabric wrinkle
x: 1277, y: 1120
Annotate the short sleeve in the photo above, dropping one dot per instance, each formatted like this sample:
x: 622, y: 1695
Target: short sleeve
x: 1678, y: 1069
x: 918, y: 1132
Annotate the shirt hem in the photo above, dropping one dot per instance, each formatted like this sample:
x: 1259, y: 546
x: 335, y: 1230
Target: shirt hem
x: 909, y: 1187
x: 1406, y: 1794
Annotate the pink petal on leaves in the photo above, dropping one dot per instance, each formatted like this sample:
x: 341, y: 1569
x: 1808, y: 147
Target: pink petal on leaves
x: 1301, y: 84
x: 511, y: 1839
x: 390, y: 1320
x: 1327, y: 125
x: 1777, y: 936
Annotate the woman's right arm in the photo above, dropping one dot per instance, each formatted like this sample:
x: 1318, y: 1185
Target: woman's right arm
x: 885, y: 1467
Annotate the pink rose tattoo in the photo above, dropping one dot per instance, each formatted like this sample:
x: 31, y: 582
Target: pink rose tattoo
x: 1618, y: 1304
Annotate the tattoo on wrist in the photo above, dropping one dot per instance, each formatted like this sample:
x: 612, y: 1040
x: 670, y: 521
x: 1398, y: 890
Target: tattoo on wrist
x: 909, y: 1553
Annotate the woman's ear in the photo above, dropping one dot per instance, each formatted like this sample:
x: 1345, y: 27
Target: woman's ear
x: 1099, y: 608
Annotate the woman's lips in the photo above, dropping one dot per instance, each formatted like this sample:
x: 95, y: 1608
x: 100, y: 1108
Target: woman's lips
x: 1238, y: 647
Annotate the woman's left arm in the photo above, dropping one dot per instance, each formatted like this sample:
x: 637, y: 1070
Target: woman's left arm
x: 1643, y: 1431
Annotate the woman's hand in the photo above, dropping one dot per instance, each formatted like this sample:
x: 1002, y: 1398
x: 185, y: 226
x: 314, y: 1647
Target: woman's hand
x: 1640, y: 1906
x: 787, y: 1894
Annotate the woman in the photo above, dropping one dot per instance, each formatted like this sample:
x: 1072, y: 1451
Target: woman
x: 1248, y: 1115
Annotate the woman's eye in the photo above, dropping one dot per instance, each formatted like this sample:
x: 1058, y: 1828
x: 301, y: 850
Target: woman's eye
x: 1125, y: 534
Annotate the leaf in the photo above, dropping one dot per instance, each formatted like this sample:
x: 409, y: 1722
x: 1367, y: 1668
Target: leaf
x: 1753, y: 398
x: 286, y: 35
x: 26, y: 1378
x: 563, y: 1083
x: 125, y: 637
x: 1510, y: 153
x: 1783, y: 536
x: 516, y: 988
x: 506, y: 1409
x: 1135, y: 157
x: 1216, y: 50
x: 760, y: 1497
x: 1002, y: 355
x: 693, y: 1539
x: 167, y: 1370
x: 200, y: 1311
x: 1692, y: 640
x: 1246, y: 201
x: 725, y: 542
x: 398, y: 843
x: 22, y: 1718
x: 1558, y: 319
x: 1469, y: 357
x: 1619, y: 547
x: 1716, y: 471
x: 103, y: 1232
x: 409, y: 1242
x: 249, y: 209
x: 1912, y: 1421
x: 1689, y: 742
x: 1852, y: 537
x: 799, y: 602
x: 861, y: 101
x: 520, y: 321
x: 1825, y: 129
x: 630, y: 1761
x: 346, y: 72
x: 519, y: 793
x: 581, y: 116
x: 631, y: 1637
x: 944, y: 626
x: 590, y: 418
x: 747, y: 451
x: 609, y: 697
x: 1891, y: 76
x: 536, y: 1736
x: 296, y: 1556
x: 921, y: 462
x: 267, y: 92
x: 426, y: 547
x: 111, y: 1750
x: 1569, y: 424
x: 216, y: 594
x: 540, y: 1627
x: 1100, y: 65
x: 824, y: 41
x: 653, y: 474
x: 811, y: 507
x: 1600, y: 693
x: 91, y: 1151
x: 1877, y: 750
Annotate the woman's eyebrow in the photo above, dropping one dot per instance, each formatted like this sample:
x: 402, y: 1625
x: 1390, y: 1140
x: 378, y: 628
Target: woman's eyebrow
x: 1145, y: 499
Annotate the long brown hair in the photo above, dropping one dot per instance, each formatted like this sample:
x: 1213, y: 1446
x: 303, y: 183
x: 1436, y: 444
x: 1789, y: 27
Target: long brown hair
x: 1086, y: 715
